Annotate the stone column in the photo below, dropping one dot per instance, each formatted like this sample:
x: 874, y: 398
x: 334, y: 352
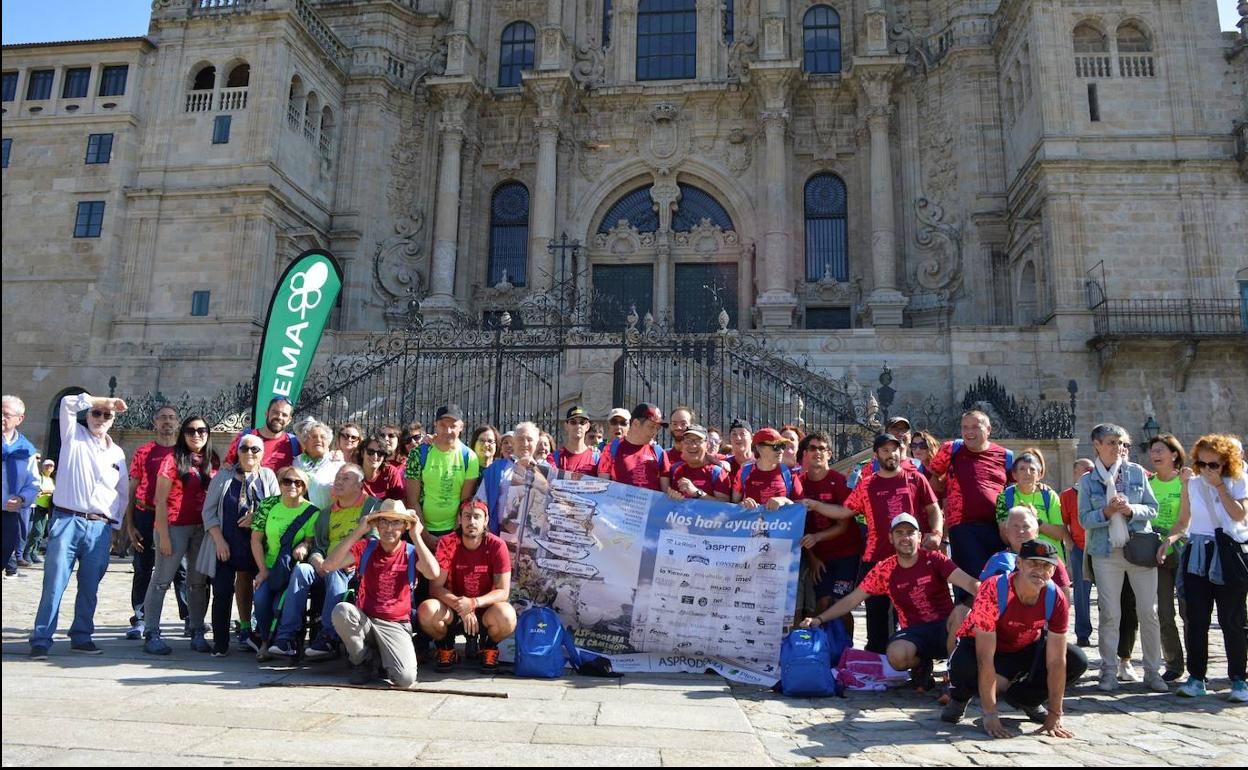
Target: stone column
x: 774, y: 18
x: 624, y: 39
x: 885, y: 303
x: 454, y: 98
x: 776, y: 301
x: 549, y: 93
x: 554, y: 43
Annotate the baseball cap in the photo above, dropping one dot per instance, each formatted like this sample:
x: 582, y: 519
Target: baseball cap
x: 768, y: 436
x: 648, y: 411
x: 899, y: 419
x: 737, y: 422
x: 48, y: 461
x: 575, y: 412
x: 695, y: 430
x: 1038, y: 550
x: 450, y: 410
x: 903, y: 518
x: 883, y: 439
x: 618, y: 412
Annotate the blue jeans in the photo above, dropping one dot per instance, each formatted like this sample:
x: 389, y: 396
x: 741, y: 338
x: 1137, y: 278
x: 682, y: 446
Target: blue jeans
x: 302, y: 579
x: 19, y: 547
x: 71, y: 539
x: 1082, y: 590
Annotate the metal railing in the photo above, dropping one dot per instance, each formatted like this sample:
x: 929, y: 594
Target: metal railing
x: 1168, y: 317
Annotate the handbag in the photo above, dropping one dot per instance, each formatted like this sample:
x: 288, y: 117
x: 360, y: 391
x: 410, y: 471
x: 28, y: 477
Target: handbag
x: 1141, y: 549
x: 1233, y: 556
x: 206, y: 559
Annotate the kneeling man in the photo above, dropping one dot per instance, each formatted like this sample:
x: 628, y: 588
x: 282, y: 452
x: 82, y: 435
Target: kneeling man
x: 377, y: 629
x: 1014, y: 643
x: 917, y: 582
x: 470, y: 596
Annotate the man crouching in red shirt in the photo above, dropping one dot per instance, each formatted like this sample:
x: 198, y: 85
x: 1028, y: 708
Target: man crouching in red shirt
x: 470, y: 596
x: 1014, y: 642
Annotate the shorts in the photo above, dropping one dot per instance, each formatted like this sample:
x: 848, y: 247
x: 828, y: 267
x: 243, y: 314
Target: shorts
x: 457, y: 625
x: 931, y: 639
x: 839, y: 578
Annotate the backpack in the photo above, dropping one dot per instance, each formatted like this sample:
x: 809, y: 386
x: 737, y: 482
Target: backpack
x: 785, y: 473
x: 353, y: 588
x: 806, y: 664
x: 541, y: 644
x: 464, y: 456
x: 1003, y: 597
x: 957, y: 444
x: 615, y: 453
x: 294, y: 442
x: 1045, y: 496
x: 1000, y: 563
x: 554, y: 457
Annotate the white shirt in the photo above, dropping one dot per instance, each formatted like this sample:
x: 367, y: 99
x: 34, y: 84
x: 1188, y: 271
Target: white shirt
x: 321, y: 474
x: 1208, y: 513
x: 91, y: 476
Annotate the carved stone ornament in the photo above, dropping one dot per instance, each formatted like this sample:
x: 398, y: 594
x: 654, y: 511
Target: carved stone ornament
x: 623, y: 240
x: 664, y: 137
x: 829, y: 290
x: 744, y: 50
x: 940, y: 269
x: 740, y: 151
x: 590, y: 68
x: 908, y: 43
x: 400, y: 272
x: 706, y: 238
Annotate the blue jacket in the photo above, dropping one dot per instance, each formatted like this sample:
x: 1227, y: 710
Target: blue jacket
x: 1092, y: 500
x: 491, y: 488
x: 21, y: 474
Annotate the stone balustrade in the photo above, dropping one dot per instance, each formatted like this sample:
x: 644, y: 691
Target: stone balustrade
x: 199, y: 101
x: 1093, y: 66
x: 1136, y: 66
x: 233, y: 99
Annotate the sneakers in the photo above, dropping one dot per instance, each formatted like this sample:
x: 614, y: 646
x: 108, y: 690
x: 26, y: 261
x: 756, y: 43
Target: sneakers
x: 283, y: 648
x: 1126, y: 671
x: 365, y: 671
x: 1239, y: 691
x: 36, y: 559
x: 85, y: 648
x: 136, y: 631
x: 489, y: 659
x: 221, y: 653
x: 1154, y: 682
x: 38, y: 653
x: 249, y: 641
x: 1170, y: 675
x: 446, y: 659
x: 1083, y: 641
x: 1109, y: 681
x: 320, y: 649
x: 22, y: 563
x: 199, y: 643
x: 156, y: 646
x: 1193, y: 688
x: 953, y: 711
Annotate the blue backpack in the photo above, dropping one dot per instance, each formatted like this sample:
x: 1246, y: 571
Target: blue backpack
x: 785, y: 473
x: 368, y: 551
x: 542, y: 643
x: 294, y: 442
x: 1045, y: 496
x: 1003, y: 597
x: 806, y: 664
x: 957, y: 444
x: 464, y: 456
x: 615, y: 453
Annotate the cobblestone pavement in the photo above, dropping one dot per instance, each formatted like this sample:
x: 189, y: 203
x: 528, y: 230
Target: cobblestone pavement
x: 125, y: 708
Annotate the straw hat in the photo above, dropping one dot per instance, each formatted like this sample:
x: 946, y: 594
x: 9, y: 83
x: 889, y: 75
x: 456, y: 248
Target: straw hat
x: 394, y: 509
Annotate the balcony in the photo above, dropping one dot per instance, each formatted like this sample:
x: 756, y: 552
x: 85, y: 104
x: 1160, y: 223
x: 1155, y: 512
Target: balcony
x: 1093, y: 66
x: 1136, y: 66
x: 199, y: 101
x: 233, y: 99
x: 1168, y: 319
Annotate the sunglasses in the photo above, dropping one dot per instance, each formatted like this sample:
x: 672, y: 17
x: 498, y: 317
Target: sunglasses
x: 251, y: 449
x: 195, y: 431
x: 918, y: 445
x: 413, y: 439
x: 779, y: 446
x: 1216, y: 465
x: 390, y: 435
x: 375, y: 452
x: 288, y: 482
x: 100, y: 414
x: 619, y: 421
x: 350, y: 436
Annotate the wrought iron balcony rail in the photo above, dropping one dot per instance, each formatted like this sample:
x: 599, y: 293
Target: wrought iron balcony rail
x: 1169, y: 318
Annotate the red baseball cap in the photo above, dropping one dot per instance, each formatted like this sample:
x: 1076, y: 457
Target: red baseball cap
x: 768, y: 436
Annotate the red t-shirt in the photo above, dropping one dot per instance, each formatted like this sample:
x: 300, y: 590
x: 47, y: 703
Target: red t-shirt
x: 710, y: 477
x: 470, y: 573
x: 1070, y: 516
x: 920, y: 593
x: 383, y: 592
x: 880, y: 499
x: 907, y: 464
x: 186, y: 496
x: 974, y: 482
x: 582, y: 463
x: 143, y: 469
x: 831, y: 489
x: 1020, y: 625
x: 734, y: 465
x: 278, y: 451
x: 389, y: 484
x: 638, y: 466
x: 763, y: 485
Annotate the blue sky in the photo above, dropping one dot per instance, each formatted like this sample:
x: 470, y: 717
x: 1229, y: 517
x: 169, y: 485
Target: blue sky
x: 37, y: 21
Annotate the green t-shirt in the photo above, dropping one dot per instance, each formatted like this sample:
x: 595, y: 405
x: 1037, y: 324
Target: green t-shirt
x: 1168, y: 494
x: 1050, y: 514
x: 442, y: 482
x: 341, y: 523
x: 273, y: 518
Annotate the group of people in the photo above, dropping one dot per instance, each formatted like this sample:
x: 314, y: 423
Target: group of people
x: 958, y: 549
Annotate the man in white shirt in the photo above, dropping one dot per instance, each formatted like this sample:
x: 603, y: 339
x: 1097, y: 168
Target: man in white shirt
x: 92, y: 489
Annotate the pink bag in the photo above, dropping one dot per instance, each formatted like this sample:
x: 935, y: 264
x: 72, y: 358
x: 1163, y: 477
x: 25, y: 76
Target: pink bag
x: 867, y: 671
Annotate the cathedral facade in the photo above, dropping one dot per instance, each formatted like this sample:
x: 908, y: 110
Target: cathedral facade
x: 1054, y: 192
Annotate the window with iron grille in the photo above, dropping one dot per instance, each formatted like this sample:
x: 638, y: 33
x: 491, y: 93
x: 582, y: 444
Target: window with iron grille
x: 113, y: 80
x: 90, y: 219
x: 636, y: 208
x: 827, y: 246
x: 221, y: 129
x: 821, y: 40
x: 617, y: 290
x: 39, y: 86
x: 696, y: 205
x: 99, y: 148
x: 516, y: 53
x: 667, y: 39
x: 77, y: 81
x: 9, y: 89
x: 701, y: 292
x: 509, y: 234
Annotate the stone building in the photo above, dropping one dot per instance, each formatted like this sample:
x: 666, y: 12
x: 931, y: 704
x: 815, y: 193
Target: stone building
x: 1041, y: 190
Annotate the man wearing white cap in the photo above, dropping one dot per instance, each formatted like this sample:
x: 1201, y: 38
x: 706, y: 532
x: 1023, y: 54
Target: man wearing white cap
x: 376, y: 629
x: 916, y: 580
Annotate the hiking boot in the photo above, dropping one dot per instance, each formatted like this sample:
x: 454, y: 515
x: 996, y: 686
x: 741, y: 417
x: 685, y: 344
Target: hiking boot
x: 136, y: 631
x: 953, y: 711
x: 1239, y: 691
x: 320, y: 649
x: 446, y: 659
x: 156, y: 646
x: 1154, y: 682
x: 1192, y: 688
x: 489, y: 659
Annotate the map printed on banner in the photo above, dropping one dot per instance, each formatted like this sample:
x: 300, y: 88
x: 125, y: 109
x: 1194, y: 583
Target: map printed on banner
x: 655, y: 584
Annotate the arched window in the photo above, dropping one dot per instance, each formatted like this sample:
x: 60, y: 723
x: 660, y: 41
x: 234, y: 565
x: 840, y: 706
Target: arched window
x: 1132, y: 39
x: 1089, y: 39
x: 205, y: 79
x: 509, y: 234
x: 694, y: 206
x: 827, y: 244
x: 1135, y: 52
x: 1091, y: 52
x: 239, y: 77
x: 636, y: 208
x: 516, y: 53
x: 667, y: 39
x: 821, y: 40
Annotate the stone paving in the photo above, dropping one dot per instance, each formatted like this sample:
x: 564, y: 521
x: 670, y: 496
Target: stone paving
x: 125, y: 708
